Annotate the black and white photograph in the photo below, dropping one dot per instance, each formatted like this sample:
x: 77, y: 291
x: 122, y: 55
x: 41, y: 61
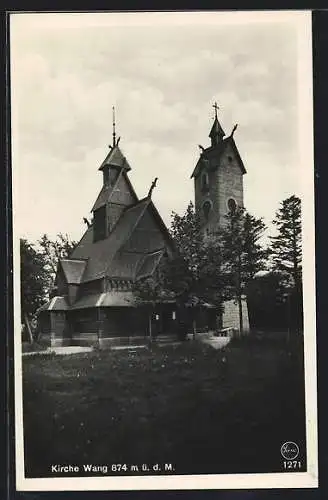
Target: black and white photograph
x: 164, y: 265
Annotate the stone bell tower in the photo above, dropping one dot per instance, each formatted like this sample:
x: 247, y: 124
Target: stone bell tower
x: 218, y: 178
x: 218, y: 184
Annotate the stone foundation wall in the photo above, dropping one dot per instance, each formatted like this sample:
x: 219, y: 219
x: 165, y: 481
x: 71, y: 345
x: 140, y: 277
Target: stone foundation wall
x: 58, y: 334
x: 60, y: 342
x: 122, y: 341
x: 231, y: 315
x: 85, y: 339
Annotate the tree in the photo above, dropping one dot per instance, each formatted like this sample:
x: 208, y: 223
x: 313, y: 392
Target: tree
x: 254, y: 255
x: 201, y: 257
x: 286, y: 246
x: 223, y: 264
x: 242, y: 254
x: 38, y: 270
x: 188, y: 239
x: 150, y: 291
x: 190, y: 275
x: 33, y: 281
x: 286, y: 254
x: 266, y: 299
x: 210, y: 269
x: 52, y: 251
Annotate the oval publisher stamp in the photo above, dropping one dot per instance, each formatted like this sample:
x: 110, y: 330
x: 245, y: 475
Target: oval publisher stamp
x: 289, y: 450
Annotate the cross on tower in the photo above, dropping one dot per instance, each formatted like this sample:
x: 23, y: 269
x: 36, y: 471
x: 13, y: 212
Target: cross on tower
x: 216, y: 107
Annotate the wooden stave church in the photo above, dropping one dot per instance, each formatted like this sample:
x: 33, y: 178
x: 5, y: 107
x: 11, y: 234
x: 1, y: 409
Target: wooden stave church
x: 92, y: 300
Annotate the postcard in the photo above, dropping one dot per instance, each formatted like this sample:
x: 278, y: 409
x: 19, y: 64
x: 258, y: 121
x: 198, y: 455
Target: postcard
x: 163, y: 235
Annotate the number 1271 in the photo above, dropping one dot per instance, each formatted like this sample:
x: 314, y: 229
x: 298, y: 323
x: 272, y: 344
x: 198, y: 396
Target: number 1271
x: 292, y: 464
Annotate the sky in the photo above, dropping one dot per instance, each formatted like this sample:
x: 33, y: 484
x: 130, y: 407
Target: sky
x: 162, y: 72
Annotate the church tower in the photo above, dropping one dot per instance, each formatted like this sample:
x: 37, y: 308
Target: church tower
x: 218, y: 184
x: 116, y: 194
x: 218, y: 178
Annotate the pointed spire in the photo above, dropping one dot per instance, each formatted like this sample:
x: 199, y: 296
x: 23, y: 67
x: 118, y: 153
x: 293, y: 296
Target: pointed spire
x: 217, y: 133
x: 114, y: 132
x: 216, y: 107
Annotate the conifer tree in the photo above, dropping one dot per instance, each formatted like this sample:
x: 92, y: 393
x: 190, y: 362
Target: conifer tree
x: 286, y: 255
x: 286, y: 246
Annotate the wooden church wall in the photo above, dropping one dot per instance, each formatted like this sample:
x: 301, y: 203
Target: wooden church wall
x: 116, y: 322
x: 72, y: 293
x: 90, y: 287
x: 84, y: 321
x: 146, y: 237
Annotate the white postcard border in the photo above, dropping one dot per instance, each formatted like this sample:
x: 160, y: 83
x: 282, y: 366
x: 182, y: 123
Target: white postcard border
x: 302, y: 20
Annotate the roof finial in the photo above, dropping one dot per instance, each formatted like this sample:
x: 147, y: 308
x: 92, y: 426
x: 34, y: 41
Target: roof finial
x: 153, y: 184
x: 114, y: 133
x: 233, y: 130
x: 86, y: 221
x: 216, y: 107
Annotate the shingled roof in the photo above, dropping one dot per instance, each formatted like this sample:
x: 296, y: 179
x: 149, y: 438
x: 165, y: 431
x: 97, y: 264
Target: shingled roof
x: 103, y: 197
x: 115, y: 158
x: 109, y: 299
x: 111, y: 256
x: 55, y: 304
x: 73, y: 270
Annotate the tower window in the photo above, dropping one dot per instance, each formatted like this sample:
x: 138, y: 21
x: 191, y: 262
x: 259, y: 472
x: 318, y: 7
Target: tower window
x: 205, y: 182
x: 232, y: 205
x: 206, y: 209
x: 230, y: 159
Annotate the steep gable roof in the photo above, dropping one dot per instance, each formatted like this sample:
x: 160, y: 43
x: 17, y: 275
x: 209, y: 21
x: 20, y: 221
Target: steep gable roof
x: 203, y: 161
x: 219, y: 150
x: 73, y: 270
x: 108, y: 299
x: 103, y: 197
x: 107, y: 257
x: 107, y: 191
x: 57, y: 303
x: 230, y: 140
x: 115, y: 158
x: 128, y: 259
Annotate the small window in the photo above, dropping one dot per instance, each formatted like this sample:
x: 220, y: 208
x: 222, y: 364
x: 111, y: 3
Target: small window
x: 230, y: 159
x: 232, y: 205
x: 206, y: 209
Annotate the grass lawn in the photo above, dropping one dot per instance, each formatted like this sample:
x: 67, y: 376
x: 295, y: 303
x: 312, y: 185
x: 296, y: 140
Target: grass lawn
x: 180, y: 405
